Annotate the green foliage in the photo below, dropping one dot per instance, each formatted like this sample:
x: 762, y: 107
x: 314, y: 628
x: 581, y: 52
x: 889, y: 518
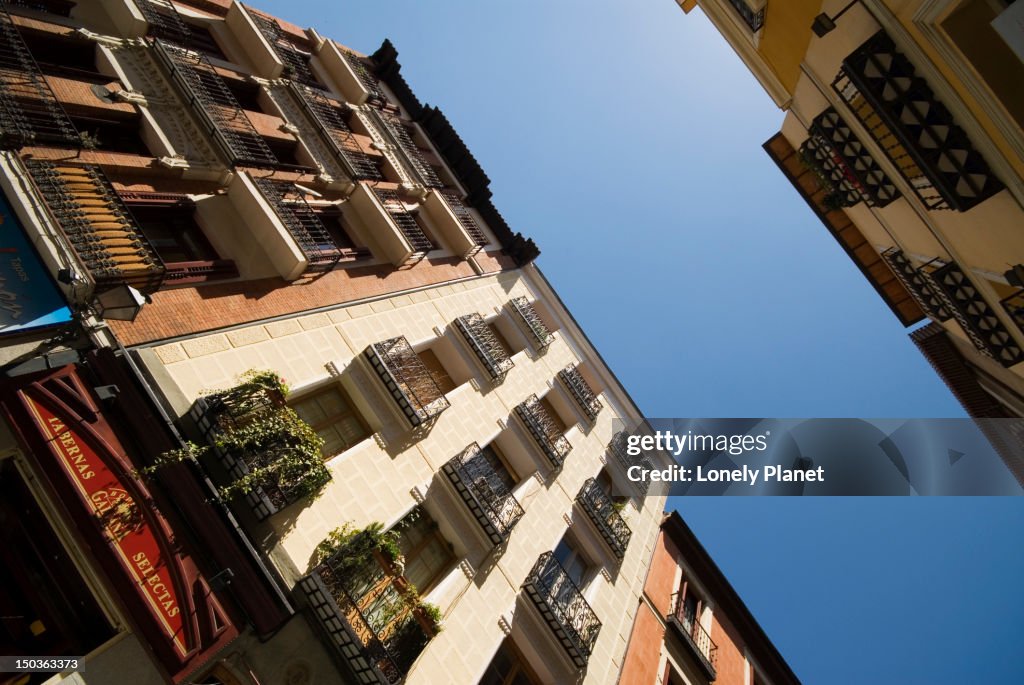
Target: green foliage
x: 189, y: 452
x: 432, y: 612
x: 354, y: 548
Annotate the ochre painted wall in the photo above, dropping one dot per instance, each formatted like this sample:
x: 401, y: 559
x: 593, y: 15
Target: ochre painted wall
x: 785, y: 37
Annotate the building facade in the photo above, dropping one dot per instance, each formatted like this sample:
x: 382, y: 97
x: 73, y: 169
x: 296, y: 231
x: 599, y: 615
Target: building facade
x: 904, y: 132
x: 692, y: 628
x: 293, y: 404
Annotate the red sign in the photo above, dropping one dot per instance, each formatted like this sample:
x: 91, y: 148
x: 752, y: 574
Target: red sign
x: 123, y: 520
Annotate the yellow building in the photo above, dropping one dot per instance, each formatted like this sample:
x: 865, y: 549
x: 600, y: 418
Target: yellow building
x: 904, y: 132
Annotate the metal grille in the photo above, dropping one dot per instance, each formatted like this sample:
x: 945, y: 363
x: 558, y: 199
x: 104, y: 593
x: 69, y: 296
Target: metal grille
x: 296, y: 62
x: 1014, y: 306
x: 368, y: 80
x: 973, y: 313
x: 59, y: 7
x: 29, y: 112
x: 528, y: 315
x: 400, y: 133
x: 837, y: 155
x: 618, y: 447
x: 326, y: 113
x: 601, y: 511
x: 461, y: 213
x: 915, y: 284
x: 164, y: 21
x: 689, y: 627
x: 404, y: 220
x: 98, y: 225
x: 302, y: 223
x: 485, y: 345
x: 485, y: 493
x: 753, y: 19
x: 914, y: 129
x: 407, y: 379
x: 209, y: 97
x: 563, y: 608
x: 544, y: 430
x: 581, y: 391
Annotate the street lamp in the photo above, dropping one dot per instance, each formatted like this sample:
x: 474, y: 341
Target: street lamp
x: 823, y: 24
x: 120, y: 303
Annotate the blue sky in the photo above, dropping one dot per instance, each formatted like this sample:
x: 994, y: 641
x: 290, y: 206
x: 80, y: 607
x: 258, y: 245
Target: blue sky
x: 624, y: 137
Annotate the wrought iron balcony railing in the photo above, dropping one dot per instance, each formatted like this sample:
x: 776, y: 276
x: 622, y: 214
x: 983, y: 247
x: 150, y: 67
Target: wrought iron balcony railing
x: 296, y: 61
x: 544, y: 430
x: 916, y: 284
x: 1014, y: 306
x: 485, y: 345
x: 752, y: 18
x: 618, y: 447
x: 973, y: 313
x: 914, y: 129
x: 606, y: 518
x: 485, y: 493
x: 164, y: 21
x: 408, y: 380
x: 411, y: 155
x: 369, y: 82
x: 210, y: 99
x: 689, y: 628
x: 539, y: 332
x: 61, y: 8
x: 461, y: 213
x: 304, y: 226
x: 366, y: 614
x: 326, y: 114
x: 844, y: 164
x: 563, y: 608
x: 29, y: 111
x: 581, y: 391
x: 98, y: 225
x: 404, y: 220
x: 221, y: 414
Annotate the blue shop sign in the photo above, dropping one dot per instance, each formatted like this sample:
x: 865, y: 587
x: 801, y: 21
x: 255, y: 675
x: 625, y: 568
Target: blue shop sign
x: 28, y: 296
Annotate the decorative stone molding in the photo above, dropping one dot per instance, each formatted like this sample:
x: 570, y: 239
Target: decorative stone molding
x: 505, y: 625
x: 418, y: 494
x: 567, y: 519
x: 467, y: 569
x: 539, y: 477
x: 604, y: 574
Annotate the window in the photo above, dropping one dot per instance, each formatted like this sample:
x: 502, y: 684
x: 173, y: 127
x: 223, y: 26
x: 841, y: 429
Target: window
x: 607, y: 485
x: 334, y: 417
x: 558, y: 423
x: 247, y: 93
x: 508, y: 667
x: 572, y: 560
x: 427, y: 554
x: 689, y: 605
x: 334, y: 223
x: 172, y: 231
x: 501, y: 339
x: 437, y: 371
x: 491, y: 461
x: 64, y: 56
x: 200, y: 39
x: 109, y: 134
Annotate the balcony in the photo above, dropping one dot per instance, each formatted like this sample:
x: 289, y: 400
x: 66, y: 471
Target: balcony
x: 405, y: 155
x: 846, y: 170
x: 753, y: 18
x: 30, y: 114
x: 581, y: 391
x: 97, y: 224
x: 916, y: 284
x: 351, y: 75
x: 694, y: 636
x: 914, y: 129
x: 271, y: 457
x: 602, y: 513
x: 326, y: 113
x: 563, y: 608
x: 618, y: 447
x: 219, y: 113
x: 544, y: 430
x: 455, y: 222
x: 485, y: 345
x: 407, y: 380
x: 364, y: 608
x: 318, y: 248
x: 978, y: 320
x: 537, y: 329
x: 393, y: 226
x: 485, y: 494
x: 295, y: 61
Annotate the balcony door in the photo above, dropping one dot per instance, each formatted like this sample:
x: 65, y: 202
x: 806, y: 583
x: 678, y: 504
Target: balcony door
x: 509, y: 667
